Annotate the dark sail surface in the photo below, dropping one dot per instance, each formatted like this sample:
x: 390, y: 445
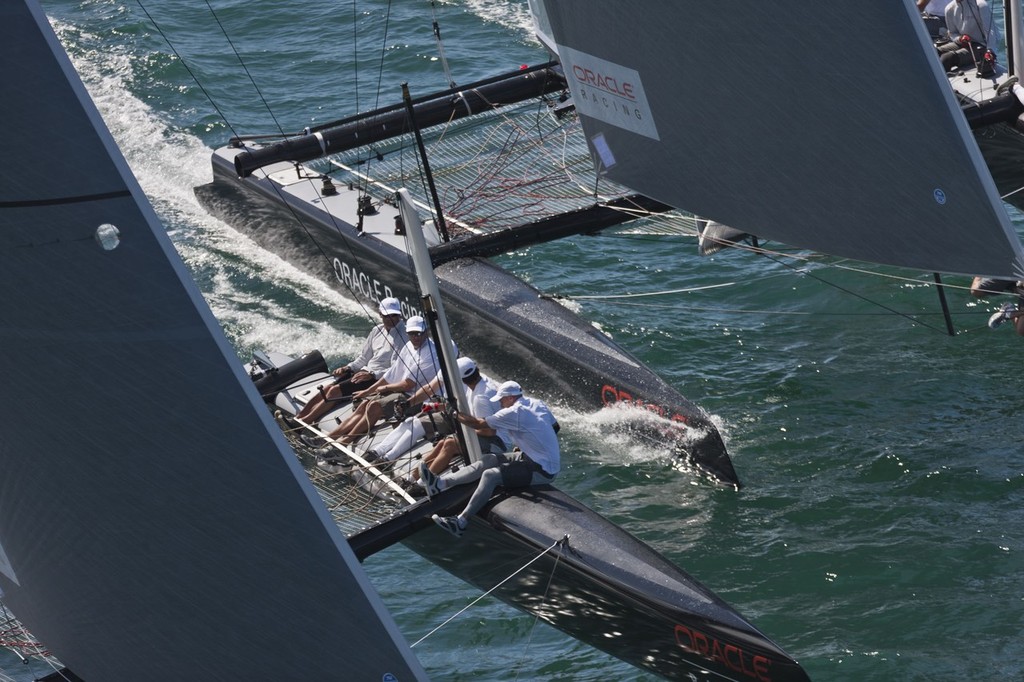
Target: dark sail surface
x: 771, y: 125
x: 153, y: 524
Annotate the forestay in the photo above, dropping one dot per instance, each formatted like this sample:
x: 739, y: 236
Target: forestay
x: 806, y: 123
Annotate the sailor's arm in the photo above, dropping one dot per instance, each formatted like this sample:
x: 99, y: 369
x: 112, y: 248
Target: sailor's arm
x: 480, y: 425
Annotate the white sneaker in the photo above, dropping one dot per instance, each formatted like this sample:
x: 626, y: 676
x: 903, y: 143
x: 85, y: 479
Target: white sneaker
x: 1002, y: 316
x: 450, y: 524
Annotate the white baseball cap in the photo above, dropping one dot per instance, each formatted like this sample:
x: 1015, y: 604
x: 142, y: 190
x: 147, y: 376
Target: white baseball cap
x: 466, y: 367
x: 390, y: 306
x: 506, y: 389
x: 415, y: 324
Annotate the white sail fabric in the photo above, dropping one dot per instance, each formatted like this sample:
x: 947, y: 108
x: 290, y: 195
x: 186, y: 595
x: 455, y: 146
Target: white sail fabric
x: 818, y: 124
x: 153, y: 522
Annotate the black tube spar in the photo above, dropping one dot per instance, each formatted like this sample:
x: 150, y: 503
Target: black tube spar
x: 386, y: 123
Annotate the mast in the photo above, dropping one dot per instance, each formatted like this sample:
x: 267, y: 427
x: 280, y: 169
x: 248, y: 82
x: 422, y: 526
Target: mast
x: 1014, y: 49
x: 428, y: 287
x: 411, y: 112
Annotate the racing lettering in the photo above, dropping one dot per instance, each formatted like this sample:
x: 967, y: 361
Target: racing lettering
x: 362, y: 284
x: 612, y: 105
x: 753, y: 666
x: 611, y: 395
x: 603, y: 82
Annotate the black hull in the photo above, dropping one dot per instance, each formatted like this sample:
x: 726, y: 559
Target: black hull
x: 605, y: 588
x: 1002, y: 145
x: 498, y: 319
x: 581, y: 574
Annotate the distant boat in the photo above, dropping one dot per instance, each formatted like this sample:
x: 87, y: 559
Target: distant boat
x: 152, y: 516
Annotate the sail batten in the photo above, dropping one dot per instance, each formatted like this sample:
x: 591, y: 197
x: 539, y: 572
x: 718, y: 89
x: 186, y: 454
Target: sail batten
x: 771, y: 123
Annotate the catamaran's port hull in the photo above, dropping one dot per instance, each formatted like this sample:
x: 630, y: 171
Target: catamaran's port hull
x: 502, y: 322
x: 581, y: 573
x: 605, y: 588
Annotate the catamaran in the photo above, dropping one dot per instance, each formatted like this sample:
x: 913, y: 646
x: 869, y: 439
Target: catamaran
x: 582, y: 574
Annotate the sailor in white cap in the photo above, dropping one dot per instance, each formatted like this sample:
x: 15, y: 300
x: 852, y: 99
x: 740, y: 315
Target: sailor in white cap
x: 531, y: 428
x: 479, y: 390
x: 378, y: 353
x: 432, y: 422
x: 416, y: 365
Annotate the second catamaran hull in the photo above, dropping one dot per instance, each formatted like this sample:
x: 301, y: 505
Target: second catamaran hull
x: 606, y: 588
x: 501, y: 321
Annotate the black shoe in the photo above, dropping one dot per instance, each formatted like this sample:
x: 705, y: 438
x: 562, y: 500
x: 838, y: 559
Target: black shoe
x: 332, y: 456
x: 413, y: 488
x: 374, y: 459
x: 1007, y: 85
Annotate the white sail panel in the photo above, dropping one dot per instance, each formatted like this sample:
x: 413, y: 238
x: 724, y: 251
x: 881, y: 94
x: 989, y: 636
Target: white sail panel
x: 806, y: 123
x: 157, y: 525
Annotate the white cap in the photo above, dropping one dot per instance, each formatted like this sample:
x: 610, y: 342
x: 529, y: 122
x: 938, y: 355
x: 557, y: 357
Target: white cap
x: 506, y: 389
x: 466, y: 367
x: 390, y: 306
x: 415, y: 324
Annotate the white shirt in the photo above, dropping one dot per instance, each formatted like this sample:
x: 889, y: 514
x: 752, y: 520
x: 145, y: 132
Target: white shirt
x: 420, y: 365
x: 529, y: 425
x: 973, y: 18
x: 481, y: 407
x: 380, y: 349
x: 936, y: 7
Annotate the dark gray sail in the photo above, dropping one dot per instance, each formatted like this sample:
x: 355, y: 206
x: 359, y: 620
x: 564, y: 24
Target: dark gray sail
x: 765, y: 117
x: 153, y: 522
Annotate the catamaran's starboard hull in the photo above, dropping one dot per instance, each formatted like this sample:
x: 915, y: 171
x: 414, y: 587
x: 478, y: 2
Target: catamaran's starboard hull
x: 497, y: 318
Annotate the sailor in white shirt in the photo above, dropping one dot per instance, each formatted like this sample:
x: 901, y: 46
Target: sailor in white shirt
x: 532, y: 429
x: 416, y: 365
x: 376, y: 356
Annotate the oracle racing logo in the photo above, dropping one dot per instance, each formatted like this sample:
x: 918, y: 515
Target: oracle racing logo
x: 372, y: 288
x: 609, y: 92
x: 752, y: 666
x: 611, y: 395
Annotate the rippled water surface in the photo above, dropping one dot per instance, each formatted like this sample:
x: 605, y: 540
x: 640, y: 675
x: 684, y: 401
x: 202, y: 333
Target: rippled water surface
x: 879, y: 534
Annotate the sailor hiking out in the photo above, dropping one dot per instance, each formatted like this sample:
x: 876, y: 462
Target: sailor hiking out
x: 536, y: 461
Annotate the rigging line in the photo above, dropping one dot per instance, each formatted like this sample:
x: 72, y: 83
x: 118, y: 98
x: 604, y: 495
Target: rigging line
x: 245, y: 68
x: 808, y: 258
x: 440, y: 45
x: 383, y: 50
x: 607, y: 297
x: 765, y: 311
x: 355, y: 53
x: 1010, y: 194
x: 209, y: 97
x: 910, y: 317
x: 543, y: 601
x: 522, y: 568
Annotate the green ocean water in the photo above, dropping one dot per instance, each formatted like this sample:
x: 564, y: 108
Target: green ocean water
x: 879, y: 535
